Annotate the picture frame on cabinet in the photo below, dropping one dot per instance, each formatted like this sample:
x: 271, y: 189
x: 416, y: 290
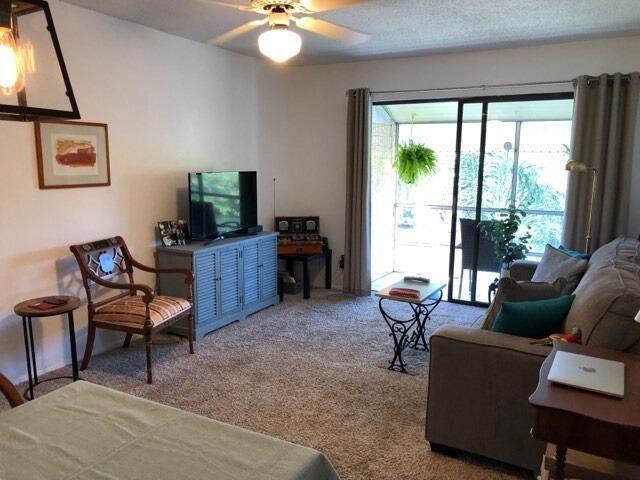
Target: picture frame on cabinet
x: 173, y: 232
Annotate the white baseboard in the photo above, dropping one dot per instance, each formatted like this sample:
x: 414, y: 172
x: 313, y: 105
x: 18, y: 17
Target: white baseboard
x: 43, y: 370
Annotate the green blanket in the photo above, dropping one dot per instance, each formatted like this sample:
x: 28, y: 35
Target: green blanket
x: 85, y: 431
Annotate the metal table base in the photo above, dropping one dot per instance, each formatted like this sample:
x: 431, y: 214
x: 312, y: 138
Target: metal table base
x: 27, y: 329
x: 409, y: 333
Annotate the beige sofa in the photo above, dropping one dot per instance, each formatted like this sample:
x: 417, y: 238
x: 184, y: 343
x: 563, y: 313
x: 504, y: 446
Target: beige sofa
x: 480, y: 380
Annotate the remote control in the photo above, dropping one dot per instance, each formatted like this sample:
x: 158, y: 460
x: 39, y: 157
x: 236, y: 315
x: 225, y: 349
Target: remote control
x: 410, y: 278
x: 55, y: 301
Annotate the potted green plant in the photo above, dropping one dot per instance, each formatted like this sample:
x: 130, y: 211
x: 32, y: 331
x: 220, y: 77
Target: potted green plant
x: 413, y: 161
x: 509, y: 243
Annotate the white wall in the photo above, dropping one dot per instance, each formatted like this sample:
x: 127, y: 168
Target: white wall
x: 175, y: 106
x: 309, y: 159
x: 172, y: 106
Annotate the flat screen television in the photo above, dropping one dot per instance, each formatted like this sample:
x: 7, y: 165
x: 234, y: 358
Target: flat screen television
x: 222, y: 203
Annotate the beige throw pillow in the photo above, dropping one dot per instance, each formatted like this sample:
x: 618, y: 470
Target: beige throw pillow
x: 607, y: 300
x: 557, y: 264
x: 511, y: 291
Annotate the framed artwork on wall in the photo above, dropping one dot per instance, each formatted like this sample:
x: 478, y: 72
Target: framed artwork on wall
x: 72, y: 154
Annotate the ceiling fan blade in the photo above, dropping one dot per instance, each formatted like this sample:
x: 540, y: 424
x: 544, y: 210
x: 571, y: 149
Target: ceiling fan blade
x: 331, y: 30
x: 325, y: 5
x: 237, y: 6
x: 236, y: 32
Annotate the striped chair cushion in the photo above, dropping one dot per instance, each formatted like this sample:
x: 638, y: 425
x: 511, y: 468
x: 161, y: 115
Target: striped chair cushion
x: 131, y: 311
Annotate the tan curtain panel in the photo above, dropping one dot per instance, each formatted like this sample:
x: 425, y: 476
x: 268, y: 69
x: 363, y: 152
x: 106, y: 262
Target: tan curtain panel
x: 357, y: 242
x: 604, y: 121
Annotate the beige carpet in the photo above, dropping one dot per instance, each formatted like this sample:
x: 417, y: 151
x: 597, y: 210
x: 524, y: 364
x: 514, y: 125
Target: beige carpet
x: 311, y: 372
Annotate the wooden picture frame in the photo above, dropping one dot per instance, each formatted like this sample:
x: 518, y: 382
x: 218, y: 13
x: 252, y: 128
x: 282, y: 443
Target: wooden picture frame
x: 72, y: 154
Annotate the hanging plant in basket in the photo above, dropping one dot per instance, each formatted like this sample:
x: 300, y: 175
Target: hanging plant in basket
x: 414, y: 161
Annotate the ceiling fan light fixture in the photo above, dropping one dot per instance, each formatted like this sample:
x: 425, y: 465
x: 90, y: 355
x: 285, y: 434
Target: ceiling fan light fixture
x: 279, y: 43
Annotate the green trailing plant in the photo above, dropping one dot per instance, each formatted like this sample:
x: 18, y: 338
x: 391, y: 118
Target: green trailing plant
x: 509, y: 243
x: 414, y: 161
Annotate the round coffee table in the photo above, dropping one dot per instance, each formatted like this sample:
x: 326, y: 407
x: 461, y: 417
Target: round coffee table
x: 27, y: 311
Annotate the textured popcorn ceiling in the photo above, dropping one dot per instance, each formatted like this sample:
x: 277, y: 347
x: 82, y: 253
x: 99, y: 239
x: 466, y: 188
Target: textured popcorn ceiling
x: 398, y: 27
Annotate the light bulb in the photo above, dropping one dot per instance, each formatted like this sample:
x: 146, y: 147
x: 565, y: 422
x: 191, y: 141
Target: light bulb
x: 576, y: 166
x: 12, y: 67
x: 280, y: 44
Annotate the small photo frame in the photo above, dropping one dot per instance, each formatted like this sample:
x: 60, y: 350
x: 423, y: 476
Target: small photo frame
x: 72, y: 154
x: 173, y: 232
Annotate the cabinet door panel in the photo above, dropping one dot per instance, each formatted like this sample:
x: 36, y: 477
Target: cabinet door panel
x: 206, y: 287
x: 229, y: 280
x: 269, y: 268
x: 251, y: 273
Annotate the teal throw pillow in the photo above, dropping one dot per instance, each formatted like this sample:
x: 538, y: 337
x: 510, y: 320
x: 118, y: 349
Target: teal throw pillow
x: 575, y: 253
x: 535, y: 319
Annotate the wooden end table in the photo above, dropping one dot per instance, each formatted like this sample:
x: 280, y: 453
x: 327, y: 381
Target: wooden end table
x: 27, y: 312
x: 589, y: 422
x: 305, y: 258
x: 410, y: 332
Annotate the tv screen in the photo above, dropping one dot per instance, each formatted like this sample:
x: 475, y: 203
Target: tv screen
x: 221, y: 203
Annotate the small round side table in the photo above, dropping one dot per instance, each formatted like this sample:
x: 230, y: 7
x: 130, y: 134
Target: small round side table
x: 27, y: 312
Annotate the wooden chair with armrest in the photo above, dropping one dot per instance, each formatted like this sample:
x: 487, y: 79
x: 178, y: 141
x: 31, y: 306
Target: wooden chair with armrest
x: 9, y: 391
x: 129, y: 312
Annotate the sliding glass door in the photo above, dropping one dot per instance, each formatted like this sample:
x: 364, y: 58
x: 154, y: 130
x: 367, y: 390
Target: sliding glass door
x: 411, y: 223
x: 466, y: 251
x: 510, y: 152
x: 491, y: 153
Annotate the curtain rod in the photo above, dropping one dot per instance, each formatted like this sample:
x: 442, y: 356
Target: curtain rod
x: 482, y: 87
x: 506, y: 85
x: 485, y: 87
x: 609, y: 77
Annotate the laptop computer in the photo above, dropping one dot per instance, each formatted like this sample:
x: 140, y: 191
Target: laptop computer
x: 589, y: 373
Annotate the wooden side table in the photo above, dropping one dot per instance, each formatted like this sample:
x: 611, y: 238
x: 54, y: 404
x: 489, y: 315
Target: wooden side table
x: 27, y: 312
x: 290, y: 258
x: 588, y: 467
x: 589, y: 422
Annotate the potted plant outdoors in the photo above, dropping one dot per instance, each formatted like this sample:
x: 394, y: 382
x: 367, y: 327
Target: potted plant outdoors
x: 414, y: 161
x: 509, y: 245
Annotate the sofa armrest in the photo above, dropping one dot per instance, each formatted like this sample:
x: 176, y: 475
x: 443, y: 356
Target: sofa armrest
x: 523, y: 270
x: 489, y: 340
x: 479, y: 385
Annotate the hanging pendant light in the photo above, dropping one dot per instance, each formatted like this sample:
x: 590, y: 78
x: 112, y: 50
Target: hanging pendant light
x: 12, y: 67
x: 28, y: 40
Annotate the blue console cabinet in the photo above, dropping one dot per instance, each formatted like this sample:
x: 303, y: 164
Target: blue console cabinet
x: 233, y: 278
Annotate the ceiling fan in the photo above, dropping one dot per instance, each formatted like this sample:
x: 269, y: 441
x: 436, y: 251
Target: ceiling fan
x: 280, y: 43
